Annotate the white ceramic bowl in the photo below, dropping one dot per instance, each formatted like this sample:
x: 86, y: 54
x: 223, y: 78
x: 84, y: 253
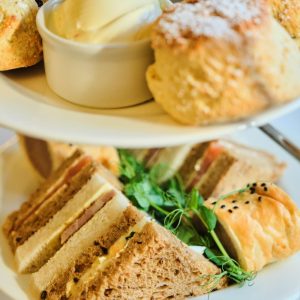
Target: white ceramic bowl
x: 100, y: 76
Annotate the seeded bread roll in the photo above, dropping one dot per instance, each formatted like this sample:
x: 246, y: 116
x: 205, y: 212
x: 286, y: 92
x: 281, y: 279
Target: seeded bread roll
x: 20, y: 42
x: 220, y: 60
x: 259, y: 226
x: 287, y: 12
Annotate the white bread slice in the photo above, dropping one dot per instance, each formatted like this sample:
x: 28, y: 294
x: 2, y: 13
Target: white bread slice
x: 43, y: 244
x: 85, y: 236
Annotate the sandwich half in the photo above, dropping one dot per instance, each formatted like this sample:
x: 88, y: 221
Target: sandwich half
x: 133, y: 259
x: 67, y: 200
x: 214, y: 168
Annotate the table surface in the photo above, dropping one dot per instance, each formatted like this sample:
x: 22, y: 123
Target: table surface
x: 288, y: 125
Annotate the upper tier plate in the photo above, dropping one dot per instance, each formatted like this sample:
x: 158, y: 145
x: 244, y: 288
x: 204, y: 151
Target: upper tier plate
x: 29, y: 106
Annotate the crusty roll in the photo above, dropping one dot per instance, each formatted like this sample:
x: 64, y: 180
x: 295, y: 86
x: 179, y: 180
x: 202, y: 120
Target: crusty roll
x: 287, y: 12
x: 220, y: 60
x: 20, y: 42
x: 259, y: 226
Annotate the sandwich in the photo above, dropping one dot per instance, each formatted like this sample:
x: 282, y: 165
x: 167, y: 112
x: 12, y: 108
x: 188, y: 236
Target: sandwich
x: 214, y: 168
x: 81, y: 238
x: 45, y: 156
x: 258, y: 226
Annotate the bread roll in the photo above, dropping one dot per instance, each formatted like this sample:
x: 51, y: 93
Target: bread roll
x: 220, y: 60
x: 287, y: 12
x: 20, y: 42
x: 259, y: 226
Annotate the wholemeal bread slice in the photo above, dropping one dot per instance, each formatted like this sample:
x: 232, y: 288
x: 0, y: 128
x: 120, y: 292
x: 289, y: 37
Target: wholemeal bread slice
x: 96, y: 245
x: 47, y: 190
x: 153, y: 264
x: 43, y: 244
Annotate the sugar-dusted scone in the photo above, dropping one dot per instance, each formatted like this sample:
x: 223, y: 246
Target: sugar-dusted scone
x: 220, y: 60
x: 259, y: 226
x: 20, y: 42
x: 287, y: 12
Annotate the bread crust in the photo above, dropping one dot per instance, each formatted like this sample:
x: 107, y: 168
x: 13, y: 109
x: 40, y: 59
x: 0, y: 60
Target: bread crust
x: 287, y: 12
x: 261, y: 225
x: 20, y: 42
x: 155, y: 265
x: 225, y: 70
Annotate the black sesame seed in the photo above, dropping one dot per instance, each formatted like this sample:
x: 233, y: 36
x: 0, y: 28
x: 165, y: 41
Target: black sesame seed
x: 263, y: 184
x: 75, y: 279
x: 104, y: 250
x: 229, y: 210
x: 139, y: 242
x: 234, y: 201
x: 223, y: 206
x: 39, y: 3
x: 265, y: 189
x: 235, y: 207
x: 248, y: 185
x: 254, y: 184
x: 215, y: 202
x: 132, y: 233
x: 247, y: 202
x: 96, y: 243
x: 44, y: 295
x: 252, y: 191
x: 259, y: 199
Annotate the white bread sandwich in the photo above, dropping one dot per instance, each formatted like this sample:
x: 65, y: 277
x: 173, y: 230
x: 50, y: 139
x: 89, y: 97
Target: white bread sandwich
x: 258, y: 226
x: 214, y: 168
x: 20, y: 42
x: 213, y: 62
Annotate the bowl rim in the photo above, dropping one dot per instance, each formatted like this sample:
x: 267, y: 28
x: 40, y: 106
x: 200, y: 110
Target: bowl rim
x: 48, y: 34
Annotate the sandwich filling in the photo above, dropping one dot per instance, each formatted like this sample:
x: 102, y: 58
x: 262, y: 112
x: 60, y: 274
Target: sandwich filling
x: 104, y: 261
x: 86, y: 215
x: 55, y: 198
x: 211, y: 154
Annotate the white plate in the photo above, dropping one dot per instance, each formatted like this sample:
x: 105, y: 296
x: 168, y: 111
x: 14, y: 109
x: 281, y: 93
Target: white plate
x: 28, y: 105
x: 280, y: 281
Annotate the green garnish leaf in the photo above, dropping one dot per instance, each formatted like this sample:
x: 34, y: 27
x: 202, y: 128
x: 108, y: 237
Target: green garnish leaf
x: 207, y: 217
x: 169, y: 204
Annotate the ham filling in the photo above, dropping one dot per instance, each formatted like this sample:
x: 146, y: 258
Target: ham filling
x: 86, y: 215
x: 150, y: 157
x: 74, y: 170
x: 212, y: 153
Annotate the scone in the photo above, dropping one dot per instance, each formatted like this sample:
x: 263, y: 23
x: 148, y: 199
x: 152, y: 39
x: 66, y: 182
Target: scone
x: 258, y: 226
x: 287, y: 12
x: 220, y: 60
x: 20, y: 42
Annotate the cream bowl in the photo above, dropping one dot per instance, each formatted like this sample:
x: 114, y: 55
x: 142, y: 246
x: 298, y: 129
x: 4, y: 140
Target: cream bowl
x: 99, y: 76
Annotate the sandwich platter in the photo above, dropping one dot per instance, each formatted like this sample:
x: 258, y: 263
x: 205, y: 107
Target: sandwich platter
x: 279, y: 281
x: 28, y: 105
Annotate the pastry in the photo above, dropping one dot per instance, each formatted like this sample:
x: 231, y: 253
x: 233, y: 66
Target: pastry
x: 258, y: 226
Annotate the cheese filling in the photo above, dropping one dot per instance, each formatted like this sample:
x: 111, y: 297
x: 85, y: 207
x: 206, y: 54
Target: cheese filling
x: 102, y: 262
